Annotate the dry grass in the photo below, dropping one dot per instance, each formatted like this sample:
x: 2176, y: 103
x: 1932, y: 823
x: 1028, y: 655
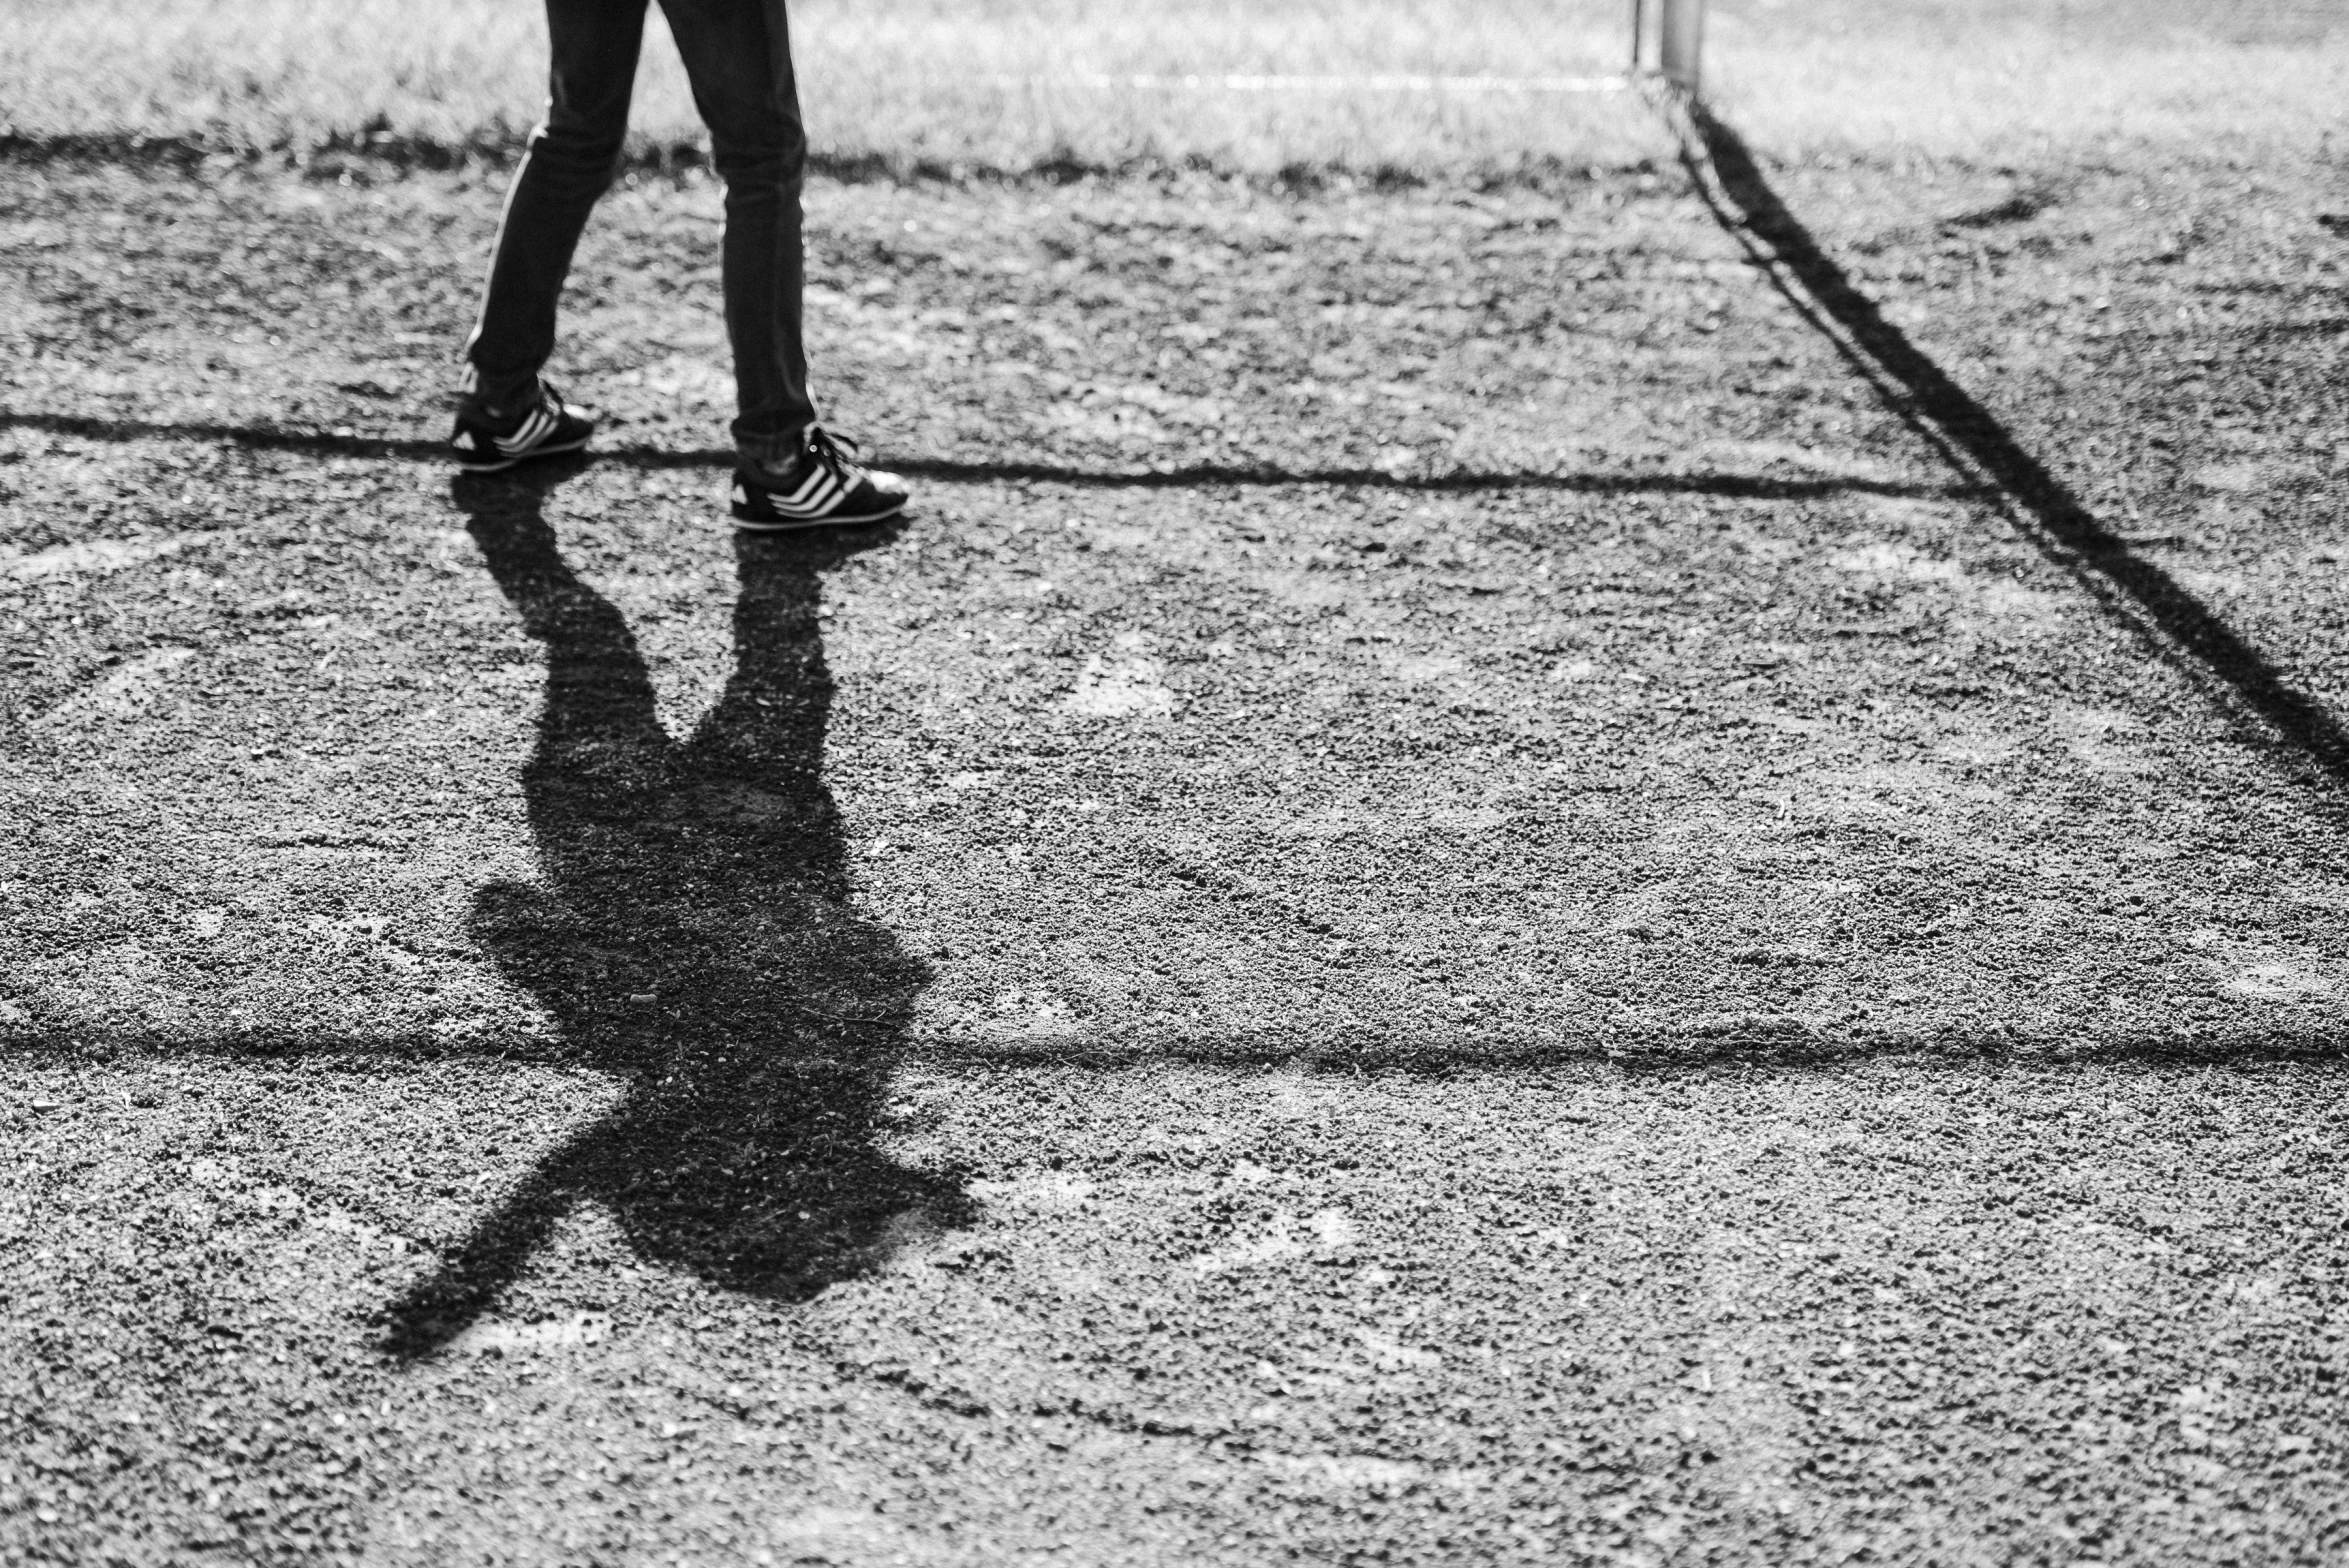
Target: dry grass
x: 995, y: 82
x: 2034, y: 83
x: 1005, y: 83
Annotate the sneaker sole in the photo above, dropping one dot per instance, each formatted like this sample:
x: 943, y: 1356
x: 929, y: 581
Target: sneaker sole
x: 552, y: 449
x: 781, y: 525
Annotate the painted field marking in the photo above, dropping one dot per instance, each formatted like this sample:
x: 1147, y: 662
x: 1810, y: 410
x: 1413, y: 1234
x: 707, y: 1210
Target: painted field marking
x: 1294, y: 84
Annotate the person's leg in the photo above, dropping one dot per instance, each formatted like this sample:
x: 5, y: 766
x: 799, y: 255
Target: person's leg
x: 571, y: 157
x: 737, y: 55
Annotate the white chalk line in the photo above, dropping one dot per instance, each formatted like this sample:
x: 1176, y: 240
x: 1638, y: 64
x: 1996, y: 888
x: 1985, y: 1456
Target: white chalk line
x: 1328, y: 84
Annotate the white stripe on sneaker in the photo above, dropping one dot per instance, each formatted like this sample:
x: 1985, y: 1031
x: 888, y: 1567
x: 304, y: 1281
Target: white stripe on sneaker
x: 812, y: 485
x: 813, y: 500
x: 535, y: 429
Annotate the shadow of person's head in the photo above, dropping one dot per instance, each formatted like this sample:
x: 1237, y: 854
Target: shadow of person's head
x: 693, y: 931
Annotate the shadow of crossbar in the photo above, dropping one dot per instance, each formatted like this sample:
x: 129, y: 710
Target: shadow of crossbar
x: 1201, y: 476
x: 2184, y: 632
x: 1765, y: 1046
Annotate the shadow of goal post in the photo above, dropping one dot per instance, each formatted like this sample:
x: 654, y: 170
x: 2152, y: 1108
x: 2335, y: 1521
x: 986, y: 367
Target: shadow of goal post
x: 1671, y: 33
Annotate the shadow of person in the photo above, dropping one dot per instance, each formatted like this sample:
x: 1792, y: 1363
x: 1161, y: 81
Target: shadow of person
x: 692, y: 934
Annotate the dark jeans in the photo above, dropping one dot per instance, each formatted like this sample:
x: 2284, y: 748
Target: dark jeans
x: 737, y: 56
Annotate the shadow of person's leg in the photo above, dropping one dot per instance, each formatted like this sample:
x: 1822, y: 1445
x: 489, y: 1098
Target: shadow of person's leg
x: 598, y: 729
x: 769, y: 726
x: 588, y: 941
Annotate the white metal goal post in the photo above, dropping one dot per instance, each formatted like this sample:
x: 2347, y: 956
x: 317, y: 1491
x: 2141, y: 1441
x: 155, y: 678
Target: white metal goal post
x: 1668, y: 38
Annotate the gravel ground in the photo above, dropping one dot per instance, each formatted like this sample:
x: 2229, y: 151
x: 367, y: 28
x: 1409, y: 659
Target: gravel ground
x: 1450, y: 900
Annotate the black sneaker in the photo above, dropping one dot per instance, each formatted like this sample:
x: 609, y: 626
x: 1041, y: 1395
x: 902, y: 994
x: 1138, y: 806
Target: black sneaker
x: 484, y: 443
x: 825, y: 490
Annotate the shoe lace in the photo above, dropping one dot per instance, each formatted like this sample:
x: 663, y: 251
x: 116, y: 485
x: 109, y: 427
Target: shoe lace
x: 825, y: 447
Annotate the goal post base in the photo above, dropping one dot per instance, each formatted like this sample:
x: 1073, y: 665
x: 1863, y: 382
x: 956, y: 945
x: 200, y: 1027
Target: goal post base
x: 1668, y: 40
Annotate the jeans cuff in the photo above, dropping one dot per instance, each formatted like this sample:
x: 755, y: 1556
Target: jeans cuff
x: 481, y: 393
x: 772, y: 454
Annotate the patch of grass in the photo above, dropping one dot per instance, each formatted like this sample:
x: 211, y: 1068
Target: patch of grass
x: 1028, y: 84
x: 2030, y: 82
x: 1008, y: 84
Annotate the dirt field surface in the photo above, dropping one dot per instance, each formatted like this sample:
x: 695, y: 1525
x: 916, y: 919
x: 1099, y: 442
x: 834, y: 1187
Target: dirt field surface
x: 1481, y: 885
